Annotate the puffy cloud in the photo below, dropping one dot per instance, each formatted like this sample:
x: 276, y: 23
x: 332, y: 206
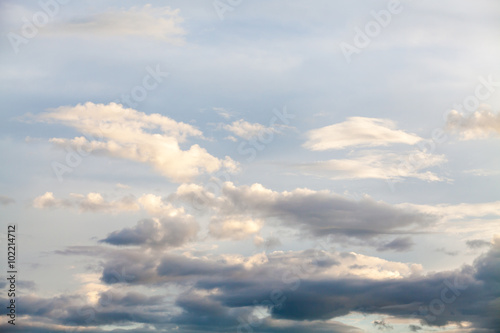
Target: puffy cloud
x: 161, y: 23
x: 247, y: 130
x: 48, y: 200
x: 358, y: 131
x: 378, y: 164
x: 234, y: 227
x: 157, y: 233
x: 477, y: 125
x: 126, y: 133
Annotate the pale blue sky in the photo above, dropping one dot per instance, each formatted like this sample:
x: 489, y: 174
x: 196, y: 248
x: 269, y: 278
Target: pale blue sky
x: 359, y: 138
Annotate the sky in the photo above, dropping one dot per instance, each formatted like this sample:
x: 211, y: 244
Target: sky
x: 251, y: 166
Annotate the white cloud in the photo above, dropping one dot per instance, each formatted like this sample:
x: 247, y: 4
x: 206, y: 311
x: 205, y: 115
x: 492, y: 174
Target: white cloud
x: 478, y: 125
x: 129, y: 134
x: 222, y: 112
x: 234, y: 227
x: 162, y: 23
x: 459, y: 211
x: 247, y: 130
x: 46, y: 200
x: 358, y: 131
x: 90, y: 202
x: 378, y: 164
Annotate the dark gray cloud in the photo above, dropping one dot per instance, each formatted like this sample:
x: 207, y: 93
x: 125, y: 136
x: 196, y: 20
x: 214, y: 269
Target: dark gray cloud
x: 164, y: 232
x: 296, y: 288
x: 382, y: 325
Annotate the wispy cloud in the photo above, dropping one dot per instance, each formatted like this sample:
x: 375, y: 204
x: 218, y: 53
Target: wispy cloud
x: 162, y: 23
x: 360, y: 132
x: 378, y: 164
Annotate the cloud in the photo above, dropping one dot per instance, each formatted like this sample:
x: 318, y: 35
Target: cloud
x: 315, y: 213
x: 360, y: 132
x: 398, y: 244
x: 48, y: 200
x: 378, y: 164
x: 162, y: 23
x: 458, y: 211
x: 156, y: 233
x: 234, y: 227
x: 92, y: 202
x: 477, y: 125
x: 382, y: 325
x: 477, y: 243
x: 126, y: 133
x: 223, y: 112
x: 447, y: 252
x: 246, y: 130
x: 5, y: 200
x: 268, y: 243
x: 306, y: 288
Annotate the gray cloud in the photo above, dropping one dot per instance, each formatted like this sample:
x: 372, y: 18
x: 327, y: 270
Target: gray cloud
x: 5, y: 200
x: 317, y: 213
x: 477, y: 243
x: 156, y: 233
x: 298, y: 289
x: 398, y: 244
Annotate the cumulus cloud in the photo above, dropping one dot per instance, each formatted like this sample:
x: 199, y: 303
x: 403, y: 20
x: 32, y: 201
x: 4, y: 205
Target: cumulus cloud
x: 358, y: 131
x: 129, y: 134
x: 247, y: 131
x: 156, y: 233
x: 162, y: 23
x: 378, y: 164
x: 477, y: 125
